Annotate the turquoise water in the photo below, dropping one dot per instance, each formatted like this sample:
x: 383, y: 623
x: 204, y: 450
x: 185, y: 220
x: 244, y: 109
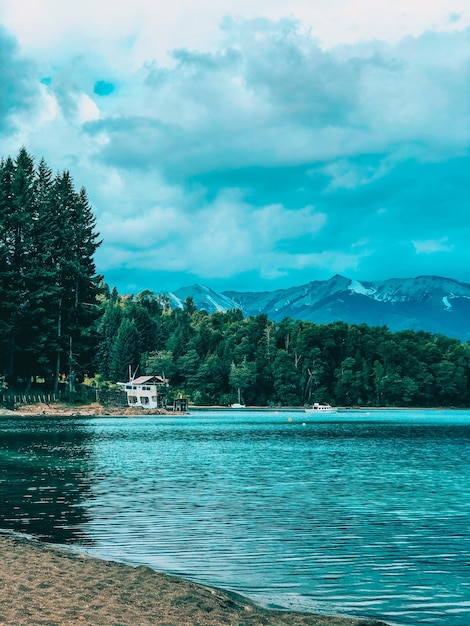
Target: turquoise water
x: 361, y: 513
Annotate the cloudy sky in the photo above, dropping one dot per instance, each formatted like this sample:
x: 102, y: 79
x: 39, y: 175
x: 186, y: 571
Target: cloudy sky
x: 252, y: 148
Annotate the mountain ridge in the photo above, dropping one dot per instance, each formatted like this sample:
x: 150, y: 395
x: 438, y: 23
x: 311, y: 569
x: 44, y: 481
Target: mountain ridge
x: 430, y: 303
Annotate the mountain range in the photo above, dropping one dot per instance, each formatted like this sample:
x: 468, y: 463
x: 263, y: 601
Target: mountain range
x: 430, y: 303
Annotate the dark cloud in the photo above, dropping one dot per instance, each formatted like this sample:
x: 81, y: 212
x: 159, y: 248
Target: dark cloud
x: 18, y: 80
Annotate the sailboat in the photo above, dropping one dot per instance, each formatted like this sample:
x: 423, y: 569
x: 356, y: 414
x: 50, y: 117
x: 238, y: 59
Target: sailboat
x: 238, y: 405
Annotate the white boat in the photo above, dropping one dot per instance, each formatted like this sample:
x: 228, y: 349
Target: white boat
x: 320, y: 408
x: 238, y: 405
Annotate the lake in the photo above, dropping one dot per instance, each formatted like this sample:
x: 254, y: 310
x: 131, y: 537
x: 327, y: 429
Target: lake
x: 361, y: 513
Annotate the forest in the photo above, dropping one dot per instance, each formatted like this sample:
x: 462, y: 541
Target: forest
x: 61, y: 325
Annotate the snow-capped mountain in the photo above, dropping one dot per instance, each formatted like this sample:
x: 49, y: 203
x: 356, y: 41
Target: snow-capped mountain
x: 203, y: 298
x: 430, y: 303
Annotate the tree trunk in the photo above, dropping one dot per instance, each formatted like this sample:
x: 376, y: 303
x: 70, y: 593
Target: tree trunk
x: 57, y: 362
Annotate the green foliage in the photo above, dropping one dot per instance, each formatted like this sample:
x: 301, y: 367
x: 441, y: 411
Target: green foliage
x: 210, y: 357
x: 48, y: 283
x: 125, y: 350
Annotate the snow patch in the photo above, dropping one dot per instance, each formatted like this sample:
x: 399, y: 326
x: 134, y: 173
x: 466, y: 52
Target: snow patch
x: 446, y: 302
x: 176, y: 300
x: 217, y: 305
x: 357, y: 287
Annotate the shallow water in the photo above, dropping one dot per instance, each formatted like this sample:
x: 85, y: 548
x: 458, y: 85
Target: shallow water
x: 361, y: 513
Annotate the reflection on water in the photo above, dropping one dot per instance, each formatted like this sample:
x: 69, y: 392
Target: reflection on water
x: 43, y: 478
x: 362, y: 514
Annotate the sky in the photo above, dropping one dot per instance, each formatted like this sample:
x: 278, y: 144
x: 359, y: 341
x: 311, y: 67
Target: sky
x: 251, y: 146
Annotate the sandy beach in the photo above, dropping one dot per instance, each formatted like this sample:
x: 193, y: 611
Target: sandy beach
x: 42, y: 584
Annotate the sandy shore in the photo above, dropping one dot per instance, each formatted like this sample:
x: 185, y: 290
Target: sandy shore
x: 60, y: 409
x: 41, y: 584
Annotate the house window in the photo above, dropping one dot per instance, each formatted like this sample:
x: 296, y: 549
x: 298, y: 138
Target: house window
x: 144, y: 400
x: 132, y: 399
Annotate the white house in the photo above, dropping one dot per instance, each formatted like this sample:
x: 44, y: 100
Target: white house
x: 146, y: 391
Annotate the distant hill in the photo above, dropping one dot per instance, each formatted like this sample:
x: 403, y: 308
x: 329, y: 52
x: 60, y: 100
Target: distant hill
x: 429, y: 303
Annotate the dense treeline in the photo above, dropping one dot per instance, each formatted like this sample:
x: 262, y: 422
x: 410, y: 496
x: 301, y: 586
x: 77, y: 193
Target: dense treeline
x: 209, y: 357
x: 48, y: 283
x: 59, y: 321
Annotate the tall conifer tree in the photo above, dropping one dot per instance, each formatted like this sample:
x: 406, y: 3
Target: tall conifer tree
x: 48, y: 281
x: 71, y: 248
x: 18, y: 207
x: 7, y: 173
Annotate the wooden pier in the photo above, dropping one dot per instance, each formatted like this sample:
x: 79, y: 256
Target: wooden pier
x: 180, y: 405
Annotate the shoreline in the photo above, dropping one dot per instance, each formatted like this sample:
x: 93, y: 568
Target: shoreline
x: 95, y: 409
x: 46, y: 584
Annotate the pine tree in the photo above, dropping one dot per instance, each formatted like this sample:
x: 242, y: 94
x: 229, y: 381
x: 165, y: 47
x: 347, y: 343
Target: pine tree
x: 18, y: 210
x: 45, y: 270
x: 125, y: 351
x: 48, y: 280
x: 7, y: 172
x: 72, y: 244
x: 36, y: 324
x: 108, y: 330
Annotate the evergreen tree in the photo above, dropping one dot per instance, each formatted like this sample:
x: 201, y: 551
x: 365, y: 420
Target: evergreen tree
x: 48, y: 282
x: 125, y: 352
x: 7, y: 299
x: 18, y: 214
x: 107, y: 331
x: 73, y: 242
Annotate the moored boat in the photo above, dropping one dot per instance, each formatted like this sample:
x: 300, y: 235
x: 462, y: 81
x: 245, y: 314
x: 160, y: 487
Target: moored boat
x: 239, y: 404
x: 320, y: 408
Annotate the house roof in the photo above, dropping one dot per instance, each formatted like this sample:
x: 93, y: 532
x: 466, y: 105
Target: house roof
x: 148, y: 380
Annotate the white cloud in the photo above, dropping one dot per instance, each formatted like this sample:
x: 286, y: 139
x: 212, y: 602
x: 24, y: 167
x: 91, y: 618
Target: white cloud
x: 140, y: 30
x: 226, y: 237
x: 87, y: 109
x: 50, y: 109
x: 430, y: 246
x: 326, y: 262
x: 273, y: 223
x: 349, y: 175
